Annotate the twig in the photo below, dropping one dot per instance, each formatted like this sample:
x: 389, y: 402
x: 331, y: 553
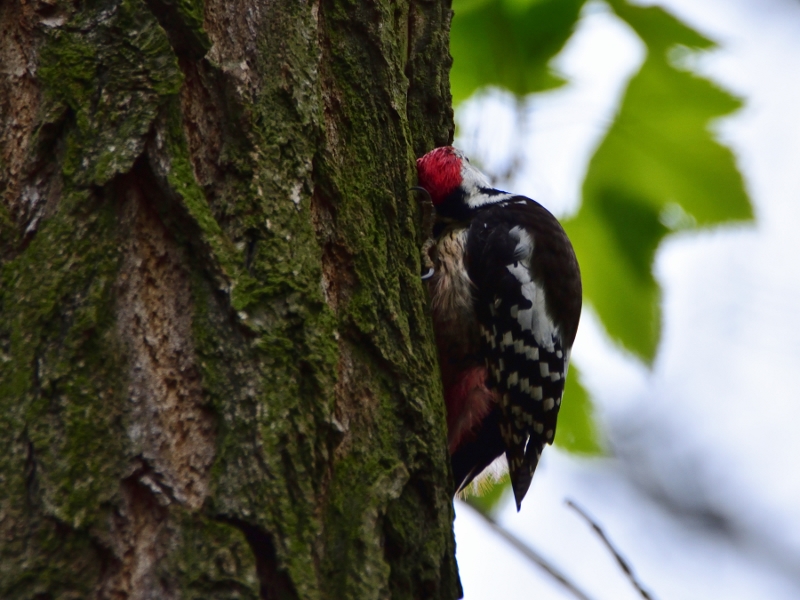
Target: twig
x: 626, y: 568
x: 529, y: 553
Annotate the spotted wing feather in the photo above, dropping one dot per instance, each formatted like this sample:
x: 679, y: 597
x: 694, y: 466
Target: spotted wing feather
x: 524, y: 350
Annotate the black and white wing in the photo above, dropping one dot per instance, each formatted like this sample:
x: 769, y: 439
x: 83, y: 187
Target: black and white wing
x: 522, y: 338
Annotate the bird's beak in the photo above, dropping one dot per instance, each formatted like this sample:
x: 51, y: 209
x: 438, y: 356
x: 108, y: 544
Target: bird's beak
x: 422, y: 190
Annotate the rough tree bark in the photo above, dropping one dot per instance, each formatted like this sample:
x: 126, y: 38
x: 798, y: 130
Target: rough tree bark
x: 216, y: 367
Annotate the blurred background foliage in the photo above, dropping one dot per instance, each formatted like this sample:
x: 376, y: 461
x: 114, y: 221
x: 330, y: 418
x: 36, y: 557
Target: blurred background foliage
x: 658, y: 169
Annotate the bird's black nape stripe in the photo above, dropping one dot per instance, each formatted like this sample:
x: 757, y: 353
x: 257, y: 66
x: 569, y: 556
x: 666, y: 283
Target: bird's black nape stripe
x: 456, y: 209
x: 492, y: 192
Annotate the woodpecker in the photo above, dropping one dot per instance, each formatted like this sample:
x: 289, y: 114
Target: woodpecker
x: 505, y: 292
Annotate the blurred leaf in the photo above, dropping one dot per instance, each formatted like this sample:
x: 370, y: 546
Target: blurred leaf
x: 508, y: 43
x: 659, y: 167
x: 658, y: 170
x: 489, y: 493
x: 576, y: 429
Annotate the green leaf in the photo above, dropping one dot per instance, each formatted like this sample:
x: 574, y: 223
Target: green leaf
x: 508, y: 43
x: 659, y: 168
x: 576, y: 428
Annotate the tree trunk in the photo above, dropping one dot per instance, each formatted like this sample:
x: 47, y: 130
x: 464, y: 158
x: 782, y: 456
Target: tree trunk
x: 217, y: 377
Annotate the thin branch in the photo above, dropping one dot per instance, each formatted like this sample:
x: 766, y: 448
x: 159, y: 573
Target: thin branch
x: 529, y: 553
x: 626, y: 568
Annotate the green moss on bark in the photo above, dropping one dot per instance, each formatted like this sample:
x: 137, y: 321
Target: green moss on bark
x: 61, y: 395
x: 112, y: 67
x: 308, y: 319
x: 212, y: 559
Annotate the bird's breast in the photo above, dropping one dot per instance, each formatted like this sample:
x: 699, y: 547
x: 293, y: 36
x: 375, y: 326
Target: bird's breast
x: 452, y: 299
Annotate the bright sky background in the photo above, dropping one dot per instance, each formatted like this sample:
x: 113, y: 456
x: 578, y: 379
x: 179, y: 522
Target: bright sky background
x: 701, y: 491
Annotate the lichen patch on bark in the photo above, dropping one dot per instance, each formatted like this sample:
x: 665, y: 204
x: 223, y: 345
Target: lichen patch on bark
x: 20, y: 99
x: 170, y: 423
x: 140, y: 539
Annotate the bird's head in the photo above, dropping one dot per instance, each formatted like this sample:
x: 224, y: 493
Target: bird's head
x: 439, y: 172
x: 446, y: 173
